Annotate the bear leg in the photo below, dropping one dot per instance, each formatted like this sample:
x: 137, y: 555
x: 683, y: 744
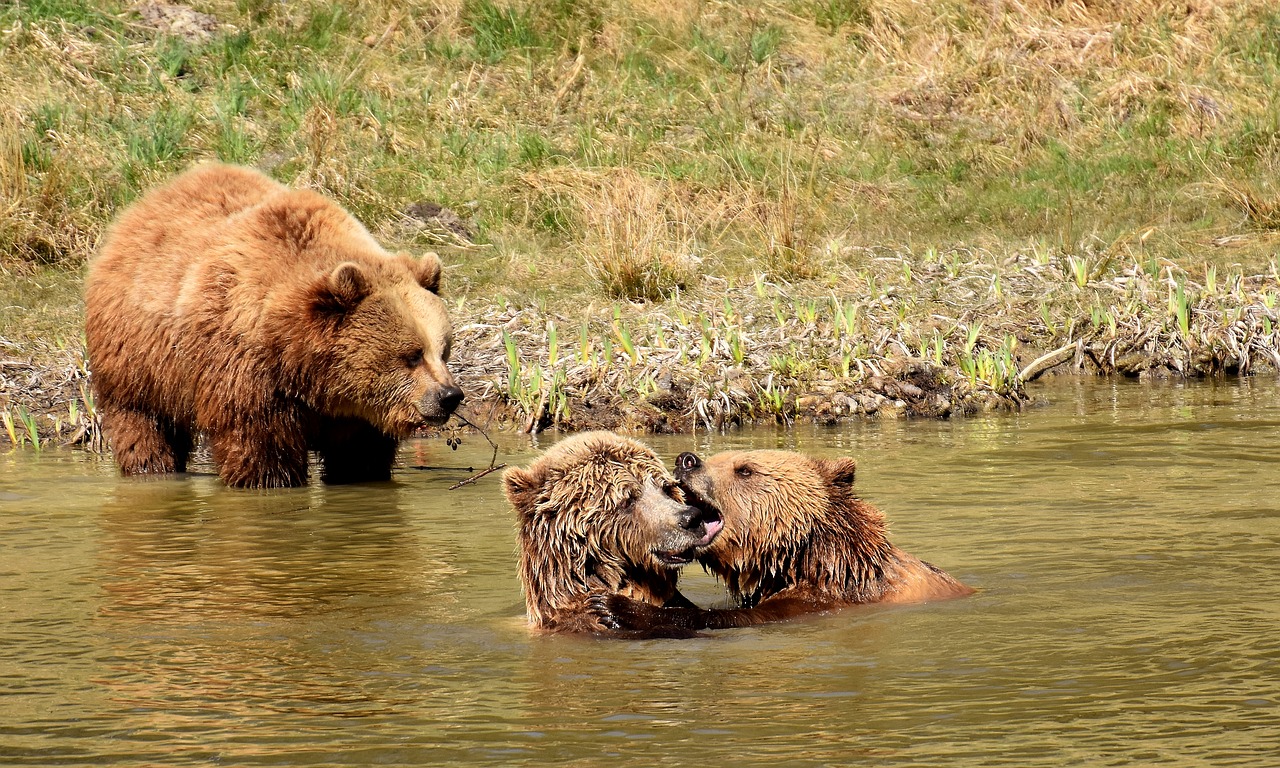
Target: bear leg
x: 142, y: 444
x: 356, y: 454
x: 267, y: 454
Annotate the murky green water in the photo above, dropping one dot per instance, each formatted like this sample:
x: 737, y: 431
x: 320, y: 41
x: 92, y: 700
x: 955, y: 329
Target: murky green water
x: 1126, y: 541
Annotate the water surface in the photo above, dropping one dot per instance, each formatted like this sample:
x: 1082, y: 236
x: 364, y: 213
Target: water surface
x: 1125, y: 540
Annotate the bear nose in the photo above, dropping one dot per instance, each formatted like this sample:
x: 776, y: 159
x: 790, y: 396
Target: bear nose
x: 690, y: 518
x: 450, y: 398
x: 687, y: 462
x: 706, y: 522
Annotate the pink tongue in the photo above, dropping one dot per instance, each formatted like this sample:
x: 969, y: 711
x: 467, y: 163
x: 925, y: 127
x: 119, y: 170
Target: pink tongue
x: 712, y: 528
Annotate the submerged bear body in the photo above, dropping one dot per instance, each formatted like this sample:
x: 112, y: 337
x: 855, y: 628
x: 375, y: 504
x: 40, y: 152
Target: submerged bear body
x: 269, y: 320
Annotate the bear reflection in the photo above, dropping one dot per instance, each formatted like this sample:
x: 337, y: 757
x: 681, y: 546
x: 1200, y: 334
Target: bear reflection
x: 193, y: 549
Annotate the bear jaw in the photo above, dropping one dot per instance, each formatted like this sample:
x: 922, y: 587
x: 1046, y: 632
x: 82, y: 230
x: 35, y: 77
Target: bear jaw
x: 694, y: 530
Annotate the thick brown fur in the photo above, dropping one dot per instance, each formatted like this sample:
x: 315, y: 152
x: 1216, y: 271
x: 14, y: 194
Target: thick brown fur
x: 268, y: 319
x: 796, y: 539
x: 600, y: 514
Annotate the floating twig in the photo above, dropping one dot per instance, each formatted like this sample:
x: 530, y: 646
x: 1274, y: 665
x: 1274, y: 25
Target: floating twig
x: 493, y: 466
x: 477, y: 476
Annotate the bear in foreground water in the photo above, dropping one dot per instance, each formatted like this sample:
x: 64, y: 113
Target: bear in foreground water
x: 599, y: 514
x: 268, y: 319
x: 796, y: 540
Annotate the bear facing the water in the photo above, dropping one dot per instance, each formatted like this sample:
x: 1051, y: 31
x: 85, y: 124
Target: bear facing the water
x: 599, y: 514
x: 796, y: 539
x: 268, y: 319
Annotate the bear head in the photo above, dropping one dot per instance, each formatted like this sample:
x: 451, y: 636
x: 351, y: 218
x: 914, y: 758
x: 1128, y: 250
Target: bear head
x: 788, y: 518
x: 600, y: 513
x: 386, y: 338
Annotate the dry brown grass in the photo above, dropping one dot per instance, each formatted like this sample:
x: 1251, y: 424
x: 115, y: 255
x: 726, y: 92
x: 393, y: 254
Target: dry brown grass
x: 622, y: 149
x: 636, y: 238
x: 38, y: 223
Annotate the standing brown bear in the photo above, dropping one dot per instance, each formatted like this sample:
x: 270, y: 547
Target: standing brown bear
x: 268, y: 319
x: 599, y: 514
x: 796, y: 539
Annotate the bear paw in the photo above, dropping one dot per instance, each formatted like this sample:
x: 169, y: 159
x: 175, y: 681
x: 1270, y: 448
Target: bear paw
x: 622, y: 615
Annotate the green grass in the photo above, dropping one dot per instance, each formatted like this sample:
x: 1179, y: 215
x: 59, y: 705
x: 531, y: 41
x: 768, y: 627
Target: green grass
x: 658, y: 152
x: 1049, y: 124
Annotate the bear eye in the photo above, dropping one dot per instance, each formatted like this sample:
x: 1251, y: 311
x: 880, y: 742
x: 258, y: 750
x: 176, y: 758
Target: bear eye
x: 744, y: 471
x: 413, y: 359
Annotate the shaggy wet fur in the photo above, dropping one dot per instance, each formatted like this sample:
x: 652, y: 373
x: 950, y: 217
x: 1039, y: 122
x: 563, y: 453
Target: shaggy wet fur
x: 269, y: 320
x: 588, y: 527
x: 796, y: 539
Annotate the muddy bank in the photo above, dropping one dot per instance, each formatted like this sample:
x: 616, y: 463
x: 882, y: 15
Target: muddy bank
x: 890, y: 335
x: 893, y: 335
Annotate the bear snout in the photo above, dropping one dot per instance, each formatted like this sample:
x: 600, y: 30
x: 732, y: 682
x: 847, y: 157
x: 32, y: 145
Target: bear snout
x: 439, y: 404
x: 450, y: 399
x: 687, y: 462
x: 703, y: 523
x: 692, y: 476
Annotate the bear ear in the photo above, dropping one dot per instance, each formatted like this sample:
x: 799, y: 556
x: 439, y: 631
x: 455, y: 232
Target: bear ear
x: 521, y: 486
x: 427, y: 271
x: 343, y: 288
x: 838, y: 471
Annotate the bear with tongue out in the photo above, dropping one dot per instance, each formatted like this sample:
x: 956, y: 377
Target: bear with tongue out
x: 597, y: 515
x: 796, y: 539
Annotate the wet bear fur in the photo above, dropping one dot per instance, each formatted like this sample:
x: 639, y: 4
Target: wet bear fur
x: 796, y: 539
x: 599, y: 514
x: 270, y: 321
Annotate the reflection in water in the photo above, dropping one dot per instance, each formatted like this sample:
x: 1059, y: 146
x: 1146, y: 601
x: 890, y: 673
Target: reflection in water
x: 257, y: 591
x: 200, y: 551
x: 1123, y: 540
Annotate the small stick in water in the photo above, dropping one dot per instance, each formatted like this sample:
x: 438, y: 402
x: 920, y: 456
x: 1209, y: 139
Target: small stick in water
x: 476, y: 476
x: 493, y: 467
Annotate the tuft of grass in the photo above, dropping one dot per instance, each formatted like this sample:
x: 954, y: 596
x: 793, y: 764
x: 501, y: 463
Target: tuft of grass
x: 833, y: 15
x: 636, y: 240
x: 157, y: 139
x: 21, y: 429
x: 1261, y: 209
x: 497, y: 29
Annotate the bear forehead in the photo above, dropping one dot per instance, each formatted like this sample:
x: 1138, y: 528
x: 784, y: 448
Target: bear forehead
x: 597, y: 468
x: 422, y: 304
x: 416, y: 310
x: 604, y: 476
x: 603, y: 452
x: 787, y: 464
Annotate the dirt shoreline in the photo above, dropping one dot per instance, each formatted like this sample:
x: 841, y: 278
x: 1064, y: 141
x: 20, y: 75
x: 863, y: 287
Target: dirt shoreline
x: 904, y: 389
x: 902, y: 335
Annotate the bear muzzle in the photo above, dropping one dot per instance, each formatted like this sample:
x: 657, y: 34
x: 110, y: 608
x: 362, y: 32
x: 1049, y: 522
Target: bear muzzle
x: 691, y: 475
x: 698, y: 527
x: 439, y: 404
x: 704, y: 522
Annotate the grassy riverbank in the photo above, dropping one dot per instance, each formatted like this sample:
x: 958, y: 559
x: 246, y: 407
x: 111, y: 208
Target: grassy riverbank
x: 656, y: 215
